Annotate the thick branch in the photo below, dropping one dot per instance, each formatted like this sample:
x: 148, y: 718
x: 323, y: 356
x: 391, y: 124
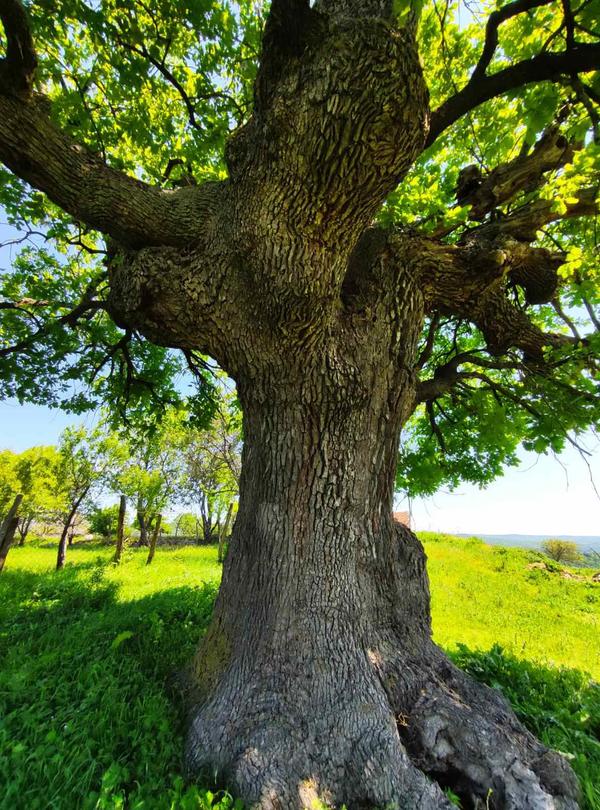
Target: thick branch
x: 524, y: 173
x: 132, y: 212
x: 470, y: 282
x: 73, y: 177
x: 524, y: 223
x: 544, y: 67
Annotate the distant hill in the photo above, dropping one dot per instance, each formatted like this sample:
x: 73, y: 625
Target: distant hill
x: 585, y: 542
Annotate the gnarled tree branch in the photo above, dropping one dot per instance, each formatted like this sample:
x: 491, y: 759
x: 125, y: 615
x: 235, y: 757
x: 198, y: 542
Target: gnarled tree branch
x: 73, y: 177
x: 524, y: 173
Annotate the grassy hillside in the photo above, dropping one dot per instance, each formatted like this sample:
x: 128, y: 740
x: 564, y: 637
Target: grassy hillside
x: 87, y: 719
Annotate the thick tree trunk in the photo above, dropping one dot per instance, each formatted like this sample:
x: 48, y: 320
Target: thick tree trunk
x: 318, y: 676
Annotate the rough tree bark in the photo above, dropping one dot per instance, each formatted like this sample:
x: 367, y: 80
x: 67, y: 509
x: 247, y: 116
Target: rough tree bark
x: 318, y: 676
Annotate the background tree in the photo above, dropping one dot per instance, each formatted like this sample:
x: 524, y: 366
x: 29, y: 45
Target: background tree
x: 381, y: 243
x: 85, y: 459
x: 103, y: 520
x: 9, y: 484
x: 212, y: 466
x: 186, y: 524
x: 148, y: 471
x: 33, y: 474
x: 562, y: 551
x: 36, y: 471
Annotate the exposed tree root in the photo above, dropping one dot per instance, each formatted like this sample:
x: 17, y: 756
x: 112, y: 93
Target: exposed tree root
x: 340, y: 739
x: 466, y: 736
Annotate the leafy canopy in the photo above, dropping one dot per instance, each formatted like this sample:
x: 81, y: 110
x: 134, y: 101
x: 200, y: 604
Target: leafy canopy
x: 155, y: 89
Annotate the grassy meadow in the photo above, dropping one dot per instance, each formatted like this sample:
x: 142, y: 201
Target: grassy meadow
x: 87, y: 716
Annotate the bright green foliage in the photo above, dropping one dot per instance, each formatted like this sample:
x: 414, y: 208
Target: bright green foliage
x: 37, y: 475
x: 9, y: 484
x: 156, y: 88
x: 147, y: 468
x: 563, y: 551
x: 103, y: 520
x: 98, y: 63
x: 480, y: 425
x: 212, y: 465
x: 85, y: 460
x: 99, y: 642
x: 32, y: 473
x: 80, y: 364
x: 186, y: 524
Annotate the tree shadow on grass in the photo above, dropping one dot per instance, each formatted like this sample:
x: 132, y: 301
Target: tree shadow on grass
x: 88, y: 719
x: 86, y: 716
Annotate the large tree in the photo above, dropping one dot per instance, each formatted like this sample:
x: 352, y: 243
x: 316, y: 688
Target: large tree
x: 317, y: 254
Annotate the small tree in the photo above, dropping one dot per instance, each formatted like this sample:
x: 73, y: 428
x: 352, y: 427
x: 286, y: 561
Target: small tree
x: 103, y: 520
x: 9, y: 484
x: 148, y: 471
x: 186, y: 525
x: 564, y: 551
x: 212, y: 460
x: 84, y: 461
x: 36, y: 471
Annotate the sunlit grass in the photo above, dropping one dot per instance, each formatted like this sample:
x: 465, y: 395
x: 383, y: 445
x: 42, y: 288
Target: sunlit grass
x: 87, y: 718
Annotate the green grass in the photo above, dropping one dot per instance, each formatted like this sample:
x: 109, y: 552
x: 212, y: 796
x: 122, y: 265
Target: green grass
x: 87, y: 719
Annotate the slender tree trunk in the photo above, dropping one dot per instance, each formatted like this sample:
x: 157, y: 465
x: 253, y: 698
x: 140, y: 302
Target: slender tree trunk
x: 120, y: 530
x: 7, y: 529
x: 62, y: 543
x: 318, y: 677
x: 143, y: 523
x: 223, y: 533
x: 23, y: 529
x: 153, y: 540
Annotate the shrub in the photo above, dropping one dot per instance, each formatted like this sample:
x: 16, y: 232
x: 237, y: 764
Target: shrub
x: 103, y: 521
x: 564, y: 551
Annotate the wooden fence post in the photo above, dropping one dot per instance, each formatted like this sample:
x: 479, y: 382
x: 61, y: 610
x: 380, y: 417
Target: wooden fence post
x: 8, y: 528
x: 120, y: 530
x: 223, y: 534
